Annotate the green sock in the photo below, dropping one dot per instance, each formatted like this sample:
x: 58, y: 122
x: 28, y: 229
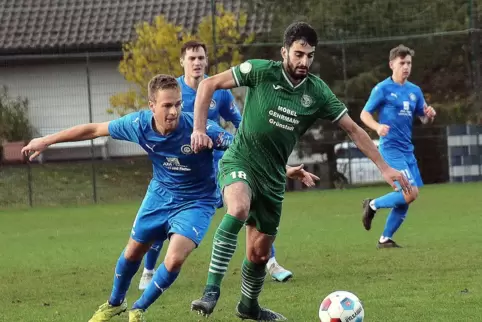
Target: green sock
x: 252, y: 283
x: 224, y: 245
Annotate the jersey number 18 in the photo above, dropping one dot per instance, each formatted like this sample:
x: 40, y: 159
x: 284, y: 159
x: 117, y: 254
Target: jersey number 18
x: 238, y: 174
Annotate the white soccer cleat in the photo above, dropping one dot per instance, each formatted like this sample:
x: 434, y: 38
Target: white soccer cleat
x: 146, y: 278
x: 278, y: 272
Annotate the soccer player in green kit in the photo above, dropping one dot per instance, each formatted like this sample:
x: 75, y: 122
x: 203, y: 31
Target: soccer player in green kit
x: 282, y: 102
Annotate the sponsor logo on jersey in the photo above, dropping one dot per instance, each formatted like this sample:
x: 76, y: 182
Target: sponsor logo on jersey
x: 286, y: 115
x: 245, y: 67
x: 173, y: 164
x: 406, y: 109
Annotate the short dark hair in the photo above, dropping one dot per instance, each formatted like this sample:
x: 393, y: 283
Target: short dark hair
x: 400, y: 51
x: 300, y: 31
x: 160, y: 82
x: 193, y: 44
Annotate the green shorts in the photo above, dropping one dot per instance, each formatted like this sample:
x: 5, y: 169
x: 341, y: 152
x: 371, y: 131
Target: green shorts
x: 265, y: 209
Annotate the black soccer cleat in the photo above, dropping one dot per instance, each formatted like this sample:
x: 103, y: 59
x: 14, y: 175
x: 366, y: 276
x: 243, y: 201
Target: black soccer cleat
x: 368, y: 214
x: 388, y: 244
x: 260, y: 315
x: 206, y: 304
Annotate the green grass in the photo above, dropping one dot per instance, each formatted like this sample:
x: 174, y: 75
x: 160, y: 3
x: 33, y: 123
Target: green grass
x: 56, y: 264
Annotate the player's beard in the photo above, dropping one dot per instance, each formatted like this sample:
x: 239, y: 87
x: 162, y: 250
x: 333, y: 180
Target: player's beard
x: 292, y: 72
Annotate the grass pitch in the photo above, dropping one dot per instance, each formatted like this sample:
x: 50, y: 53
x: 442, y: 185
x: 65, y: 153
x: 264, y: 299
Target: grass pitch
x: 57, y: 264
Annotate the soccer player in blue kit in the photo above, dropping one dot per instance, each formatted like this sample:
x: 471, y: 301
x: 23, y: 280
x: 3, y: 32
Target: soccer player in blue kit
x: 397, y: 102
x: 194, y: 61
x: 181, y: 198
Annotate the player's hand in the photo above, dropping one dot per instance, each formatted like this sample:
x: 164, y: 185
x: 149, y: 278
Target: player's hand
x: 391, y: 176
x: 36, y: 146
x: 429, y: 112
x: 383, y: 129
x: 298, y: 173
x: 200, y: 140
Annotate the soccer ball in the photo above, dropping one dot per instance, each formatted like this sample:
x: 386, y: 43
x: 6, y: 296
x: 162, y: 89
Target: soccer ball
x: 341, y: 306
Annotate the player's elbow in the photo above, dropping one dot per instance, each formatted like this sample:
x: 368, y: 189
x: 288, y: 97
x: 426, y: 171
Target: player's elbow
x: 99, y: 129
x: 224, y: 80
x: 208, y: 85
x: 365, y: 116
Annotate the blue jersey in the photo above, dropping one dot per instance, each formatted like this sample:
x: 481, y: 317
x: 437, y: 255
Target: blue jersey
x: 222, y: 104
x: 396, y: 106
x: 176, y: 169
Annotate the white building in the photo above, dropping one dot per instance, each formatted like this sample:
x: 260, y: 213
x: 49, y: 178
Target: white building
x: 43, y: 50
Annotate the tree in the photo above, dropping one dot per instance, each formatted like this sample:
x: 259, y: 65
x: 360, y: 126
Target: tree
x: 157, y: 47
x: 14, y: 122
x: 352, y: 56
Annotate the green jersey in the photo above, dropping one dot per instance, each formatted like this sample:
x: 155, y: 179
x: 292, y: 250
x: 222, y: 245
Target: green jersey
x: 276, y: 114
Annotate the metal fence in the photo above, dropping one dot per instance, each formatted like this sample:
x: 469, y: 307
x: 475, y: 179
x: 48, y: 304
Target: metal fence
x: 355, y: 38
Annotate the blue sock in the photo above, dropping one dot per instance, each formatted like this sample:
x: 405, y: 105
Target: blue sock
x: 152, y: 256
x: 390, y: 200
x: 124, y: 271
x: 394, y: 220
x: 273, y: 251
x: 160, y: 283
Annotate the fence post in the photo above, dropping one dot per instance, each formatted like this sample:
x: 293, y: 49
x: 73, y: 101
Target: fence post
x: 29, y: 179
x: 89, y: 98
x: 213, y: 22
x: 474, y: 39
x: 345, y: 94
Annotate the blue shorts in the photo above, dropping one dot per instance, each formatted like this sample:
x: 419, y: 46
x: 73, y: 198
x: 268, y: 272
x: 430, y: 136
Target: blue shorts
x: 404, y: 162
x: 162, y: 214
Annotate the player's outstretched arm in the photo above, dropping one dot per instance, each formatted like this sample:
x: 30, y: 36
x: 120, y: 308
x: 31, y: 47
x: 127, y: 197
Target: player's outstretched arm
x: 366, y: 145
x: 205, y: 91
x: 77, y: 133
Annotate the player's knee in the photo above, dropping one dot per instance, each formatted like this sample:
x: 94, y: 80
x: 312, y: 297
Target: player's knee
x: 135, y: 251
x: 238, y: 209
x: 412, y: 195
x: 237, y: 198
x: 174, y: 261
x: 257, y: 257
